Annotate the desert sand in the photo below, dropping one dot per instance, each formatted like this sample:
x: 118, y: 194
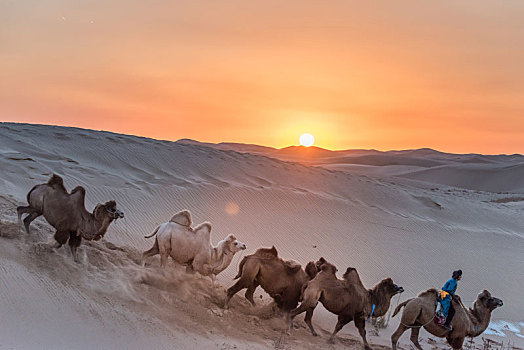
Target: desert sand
x: 414, y: 216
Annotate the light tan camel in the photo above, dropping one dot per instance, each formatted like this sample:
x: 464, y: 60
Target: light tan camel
x: 192, y: 247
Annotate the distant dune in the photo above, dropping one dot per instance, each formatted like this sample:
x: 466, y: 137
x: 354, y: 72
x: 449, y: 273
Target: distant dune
x: 416, y: 228
x: 498, y: 173
x: 482, y: 177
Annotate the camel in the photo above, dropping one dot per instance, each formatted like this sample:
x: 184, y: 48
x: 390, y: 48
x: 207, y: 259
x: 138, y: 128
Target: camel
x: 282, y: 280
x: 67, y: 214
x: 467, y: 322
x: 192, y: 246
x: 347, y: 298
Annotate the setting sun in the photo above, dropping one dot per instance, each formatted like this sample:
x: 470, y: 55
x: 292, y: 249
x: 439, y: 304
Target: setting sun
x: 307, y: 140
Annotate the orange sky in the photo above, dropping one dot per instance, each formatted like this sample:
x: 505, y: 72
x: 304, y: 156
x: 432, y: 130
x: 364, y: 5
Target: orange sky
x: 356, y: 74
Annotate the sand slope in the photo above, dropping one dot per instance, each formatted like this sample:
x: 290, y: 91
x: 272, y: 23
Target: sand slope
x: 416, y: 232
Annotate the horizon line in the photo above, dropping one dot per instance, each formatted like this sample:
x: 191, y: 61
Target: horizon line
x: 259, y: 145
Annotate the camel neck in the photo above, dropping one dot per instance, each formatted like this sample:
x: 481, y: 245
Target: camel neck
x: 91, y: 228
x: 220, y: 259
x: 479, y: 319
x: 379, y: 300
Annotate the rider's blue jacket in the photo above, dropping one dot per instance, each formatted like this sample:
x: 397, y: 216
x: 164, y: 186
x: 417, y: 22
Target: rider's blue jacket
x: 450, y: 286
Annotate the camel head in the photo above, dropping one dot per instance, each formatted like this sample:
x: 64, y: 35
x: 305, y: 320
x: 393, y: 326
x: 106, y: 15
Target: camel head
x: 390, y: 288
x: 233, y: 244
x: 107, y: 210
x: 485, y: 300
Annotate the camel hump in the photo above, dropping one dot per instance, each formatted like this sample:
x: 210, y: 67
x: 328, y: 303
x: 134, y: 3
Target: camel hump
x: 431, y: 291
x: 311, y: 270
x: 56, y: 182
x: 204, y: 227
x: 267, y: 252
x: 292, y: 266
x: 350, y: 273
x: 182, y: 218
x: 78, y: 189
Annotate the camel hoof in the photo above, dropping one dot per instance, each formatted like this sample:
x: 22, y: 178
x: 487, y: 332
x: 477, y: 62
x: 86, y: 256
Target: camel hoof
x: 315, y: 334
x: 367, y: 347
x: 331, y: 341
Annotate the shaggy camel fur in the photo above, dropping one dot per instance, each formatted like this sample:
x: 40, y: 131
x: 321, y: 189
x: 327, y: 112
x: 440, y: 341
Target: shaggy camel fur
x: 282, y: 280
x: 347, y: 298
x: 467, y: 322
x: 67, y: 214
x: 192, y: 247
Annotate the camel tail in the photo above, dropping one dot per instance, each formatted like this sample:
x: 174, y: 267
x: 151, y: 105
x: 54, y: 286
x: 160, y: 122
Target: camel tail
x: 240, y: 268
x: 29, y: 194
x: 154, y: 233
x: 400, y: 306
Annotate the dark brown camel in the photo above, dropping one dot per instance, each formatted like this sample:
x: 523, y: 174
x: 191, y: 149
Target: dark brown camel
x: 282, y: 280
x: 347, y: 298
x: 67, y: 214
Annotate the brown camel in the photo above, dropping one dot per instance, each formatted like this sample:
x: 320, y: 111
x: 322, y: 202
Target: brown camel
x: 67, y: 214
x: 467, y: 322
x: 282, y: 280
x: 347, y: 298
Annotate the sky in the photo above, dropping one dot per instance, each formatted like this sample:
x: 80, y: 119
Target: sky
x: 385, y: 74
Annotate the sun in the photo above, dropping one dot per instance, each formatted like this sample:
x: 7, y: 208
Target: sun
x: 307, y: 140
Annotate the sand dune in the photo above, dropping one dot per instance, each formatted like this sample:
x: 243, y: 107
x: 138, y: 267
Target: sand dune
x: 493, y: 173
x: 415, y: 232
x: 482, y: 177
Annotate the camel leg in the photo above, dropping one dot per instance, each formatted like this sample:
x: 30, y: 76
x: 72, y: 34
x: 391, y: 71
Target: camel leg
x: 163, y: 259
x: 307, y: 319
x: 456, y: 343
x: 296, y: 311
x: 414, y: 337
x: 246, y: 280
x: 61, y: 238
x: 396, y: 336
x: 165, y: 251
x: 308, y: 304
x: 29, y: 218
x: 20, y: 211
x: 300, y: 309
x: 151, y: 252
x: 74, y: 243
x: 242, y: 283
x: 342, y: 321
x: 250, y: 291
x: 360, y: 323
